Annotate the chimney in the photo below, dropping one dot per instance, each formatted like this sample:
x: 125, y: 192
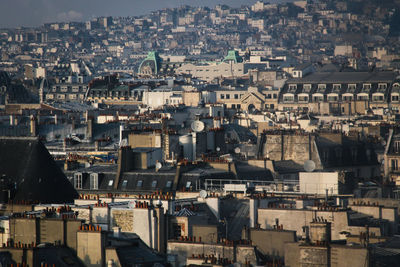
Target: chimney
x: 33, y: 126
x: 116, y: 231
x: 89, y: 129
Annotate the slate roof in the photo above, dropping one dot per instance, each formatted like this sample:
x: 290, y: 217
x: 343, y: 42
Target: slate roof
x: 32, y: 173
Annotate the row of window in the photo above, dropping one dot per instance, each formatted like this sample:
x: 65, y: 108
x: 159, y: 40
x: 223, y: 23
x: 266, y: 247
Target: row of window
x: 289, y: 98
x: 94, y: 182
x: 352, y: 86
x: 228, y: 96
x: 65, y: 96
x: 64, y: 88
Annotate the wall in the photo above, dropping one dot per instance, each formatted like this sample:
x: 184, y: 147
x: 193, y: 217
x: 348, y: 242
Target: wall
x: 293, y: 219
x: 191, y: 98
x: 318, y: 182
x: 51, y: 230
x: 314, y: 256
x: 271, y: 242
x: 184, y: 250
x: 24, y: 230
x: 380, y: 212
x: 291, y: 147
x: 123, y: 218
x: 90, y: 248
x: 345, y: 256
x: 144, y: 140
x: 208, y: 233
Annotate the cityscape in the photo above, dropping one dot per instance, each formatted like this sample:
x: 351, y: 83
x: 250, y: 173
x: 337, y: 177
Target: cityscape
x: 257, y: 134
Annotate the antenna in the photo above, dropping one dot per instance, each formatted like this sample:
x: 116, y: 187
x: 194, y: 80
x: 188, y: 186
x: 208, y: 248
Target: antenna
x: 309, y: 166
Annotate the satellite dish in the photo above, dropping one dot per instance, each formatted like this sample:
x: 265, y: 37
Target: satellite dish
x: 309, y: 166
x: 218, y: 149
x: 237, y: 150
x: 158, y: 166
x: 203, y: 194
x: 197, y: 126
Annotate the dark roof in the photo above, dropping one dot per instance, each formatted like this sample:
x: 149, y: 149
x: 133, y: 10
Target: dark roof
x: 29, y: 171
x: 346, y: 77
x: 135, y: 255
x: 57, y: 256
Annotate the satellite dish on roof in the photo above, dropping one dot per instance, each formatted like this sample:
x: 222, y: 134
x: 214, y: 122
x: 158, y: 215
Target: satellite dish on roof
x: 309, y: 166
x: 237, y: 150
x: 203, y: 194
x: 197, y: 126
x: 158, y: 166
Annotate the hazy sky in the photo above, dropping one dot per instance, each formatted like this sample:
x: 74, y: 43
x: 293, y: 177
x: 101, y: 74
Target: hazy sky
x: 15, y: 13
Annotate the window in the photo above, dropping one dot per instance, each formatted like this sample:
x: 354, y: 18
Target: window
x: 110, y: 183
x: 139, y: 183
x: 292, y: 87
x: 303, y: 98
x: 347, y: 98
x: 176, y: 230
x: 271, y: 106
x: 154, y: 184
x: 188, y: 184
x: 382, y: 86
x: 396, y: 146
x: 307, y: 87
x: 366, y: 86
x: 336, y: 87
x: 288, y: 98
x: 238, y: 106
x: 78, y: 180
x: 169, y: 184
x: 351, y: 87
x: 94, y: 181
x: 378, y: 98
x: 321, y: 86
x: 236, y: 96
x: 124, y: 184
x: 395, y: 98
x: 228, y: 96
x: 394, y: 165
x: 332, y: 98
x: 222, y: 96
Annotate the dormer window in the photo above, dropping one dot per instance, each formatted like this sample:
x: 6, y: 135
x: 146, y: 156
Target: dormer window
x: 292, y: 87
x: 307, y: 87
x: 321, y: 86
x: 94, y: 181
x: 78, y: 180
x: 337, y: 87
x: 351, y: 87
x: 382, y: 86
x: 366, y: 86
x: 396, y: 146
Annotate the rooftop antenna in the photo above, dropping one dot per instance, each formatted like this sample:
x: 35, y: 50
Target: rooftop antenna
x: 309, y: 166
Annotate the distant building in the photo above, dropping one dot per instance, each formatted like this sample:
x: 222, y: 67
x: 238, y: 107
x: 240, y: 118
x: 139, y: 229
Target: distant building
x: 341, y: 93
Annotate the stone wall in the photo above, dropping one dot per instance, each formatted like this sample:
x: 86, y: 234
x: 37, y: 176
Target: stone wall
x: 123, y: 218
